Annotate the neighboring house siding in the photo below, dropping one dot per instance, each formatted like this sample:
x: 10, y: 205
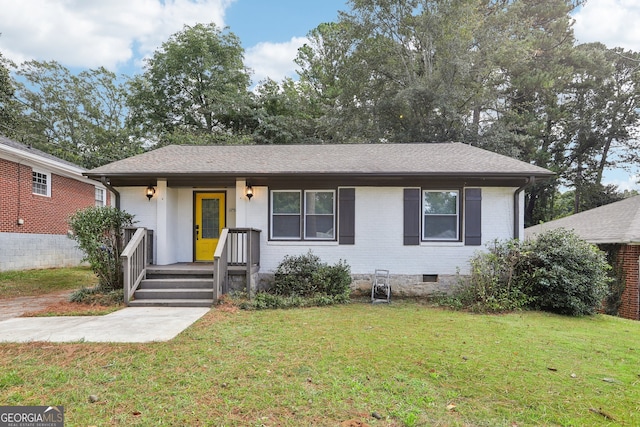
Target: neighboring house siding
x: 629, y: 258
x: 33, y: 228
x: 41, y: 214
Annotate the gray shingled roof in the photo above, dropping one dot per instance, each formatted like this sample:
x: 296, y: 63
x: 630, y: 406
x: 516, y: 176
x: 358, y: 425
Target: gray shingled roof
x: 617, y: 222
x: 452, y: 159
x: 34, y: 151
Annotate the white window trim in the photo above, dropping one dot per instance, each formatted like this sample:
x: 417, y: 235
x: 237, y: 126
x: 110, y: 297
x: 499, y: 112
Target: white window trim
x: 458, y: 201
x: 333, y: 214
x: 271, y: 214
x: 104, y: 196
x: 48, y: 175
x: 303, y: 217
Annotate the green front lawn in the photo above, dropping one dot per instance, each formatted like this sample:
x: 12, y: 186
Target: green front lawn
x: 38, y: 282
x: 406, y: 363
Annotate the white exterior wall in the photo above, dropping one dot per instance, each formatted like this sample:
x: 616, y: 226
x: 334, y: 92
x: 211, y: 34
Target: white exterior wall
x: 170, y: 215
x: 379, y: 235
x: 378, y: 232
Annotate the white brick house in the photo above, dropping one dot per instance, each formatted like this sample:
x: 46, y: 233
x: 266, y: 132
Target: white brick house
x: 419, y: 210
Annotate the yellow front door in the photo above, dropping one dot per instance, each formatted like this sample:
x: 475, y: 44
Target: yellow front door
x: 209, y: 222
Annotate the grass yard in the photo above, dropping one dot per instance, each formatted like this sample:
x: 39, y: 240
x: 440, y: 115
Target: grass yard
x: 405, y: 364
x: 38, y: 282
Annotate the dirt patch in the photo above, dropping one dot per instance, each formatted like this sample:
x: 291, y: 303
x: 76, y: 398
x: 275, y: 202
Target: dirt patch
x: 16, y: 307
x: 66, y: 308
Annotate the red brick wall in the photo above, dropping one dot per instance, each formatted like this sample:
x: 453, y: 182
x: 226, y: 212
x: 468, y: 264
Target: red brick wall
x: 628, y: 255
x: 41, y: 214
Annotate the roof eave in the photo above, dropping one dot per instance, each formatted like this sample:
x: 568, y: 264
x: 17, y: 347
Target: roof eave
x: 364, y: 178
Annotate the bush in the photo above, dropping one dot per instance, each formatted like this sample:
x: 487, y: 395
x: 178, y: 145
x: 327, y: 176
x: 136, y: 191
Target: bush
x: 564, y: 274
x: 98, y: 231
x: 493, y: 285
x: 96, y: 296
x: 304, y: 281
x: 556, y: 272
x: 306, y: 276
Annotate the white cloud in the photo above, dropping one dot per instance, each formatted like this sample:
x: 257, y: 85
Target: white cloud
x: 93, y: 33
x: 612, y: 22
x: 623, y: 180
x: 274, y: 60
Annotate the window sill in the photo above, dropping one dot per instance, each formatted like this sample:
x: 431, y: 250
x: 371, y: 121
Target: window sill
x: 302, y: 243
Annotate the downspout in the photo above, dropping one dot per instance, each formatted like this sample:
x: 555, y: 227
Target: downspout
x: 516, y: 205
x: 113, y: 190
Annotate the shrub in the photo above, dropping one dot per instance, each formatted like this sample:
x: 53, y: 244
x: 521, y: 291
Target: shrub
x: 564, y: 274
x: 265, y: 300
x: 95, y: 296
x: 556, y: 272
x: 493, y: 285
x: 98, y: 231
x: 304, y: 281
x: 306, y: 276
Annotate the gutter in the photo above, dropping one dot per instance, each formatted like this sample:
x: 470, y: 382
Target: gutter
x: 113, y: 190
x: 516, y: 205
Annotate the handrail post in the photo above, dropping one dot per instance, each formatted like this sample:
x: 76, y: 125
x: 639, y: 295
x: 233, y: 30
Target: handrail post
x: 134, y: 263
x: 249, y: 261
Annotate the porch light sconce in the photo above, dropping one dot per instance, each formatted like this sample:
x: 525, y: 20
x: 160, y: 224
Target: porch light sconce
x: 150, y: 192
x: 249, y: 192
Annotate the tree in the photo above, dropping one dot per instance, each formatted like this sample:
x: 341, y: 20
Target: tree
x: 77, y: 117
x: 602, y: 106
x: 489, y: 72
x: 9, y: 109
x: 394, y: 71
x: 286, y: 113
x: 195, y: 85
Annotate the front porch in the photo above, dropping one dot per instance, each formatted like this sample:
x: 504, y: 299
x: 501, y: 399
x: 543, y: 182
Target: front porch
x: 235, y: 265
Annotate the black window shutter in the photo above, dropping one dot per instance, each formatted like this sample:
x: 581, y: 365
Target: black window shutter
x: 473, y: 217
x: 411, y: 216
x: 347, y: 216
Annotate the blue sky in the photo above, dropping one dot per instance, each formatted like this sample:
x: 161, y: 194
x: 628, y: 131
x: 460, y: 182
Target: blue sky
x: 118, y: 34
x: 278, y: 21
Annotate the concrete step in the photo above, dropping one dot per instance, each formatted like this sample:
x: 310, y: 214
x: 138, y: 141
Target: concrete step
x: 185, y: 293
x: 171, y: 303
x: 182, y: 283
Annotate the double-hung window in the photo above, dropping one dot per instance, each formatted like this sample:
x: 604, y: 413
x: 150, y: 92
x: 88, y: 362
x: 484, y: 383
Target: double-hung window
x: 100, y: 197
x: 41, y: 183
x: 441, y: 215
x: 303, y: 215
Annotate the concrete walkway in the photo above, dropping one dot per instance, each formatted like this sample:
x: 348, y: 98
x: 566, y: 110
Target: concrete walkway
x: 129, y: 325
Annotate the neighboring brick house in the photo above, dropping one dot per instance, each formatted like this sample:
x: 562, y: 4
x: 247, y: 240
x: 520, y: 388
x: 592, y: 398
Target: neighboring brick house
x: 613, y: 224
x: 38, y: 193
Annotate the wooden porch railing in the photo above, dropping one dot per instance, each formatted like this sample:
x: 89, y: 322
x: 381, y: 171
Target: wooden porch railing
x: 237, y: 247
x: 134, y: 262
